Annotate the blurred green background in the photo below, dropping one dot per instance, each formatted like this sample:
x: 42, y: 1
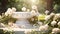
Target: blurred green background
x: 18, y: 4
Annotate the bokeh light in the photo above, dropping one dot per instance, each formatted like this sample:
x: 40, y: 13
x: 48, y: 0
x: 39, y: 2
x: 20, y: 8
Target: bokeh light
x: 33, y: 1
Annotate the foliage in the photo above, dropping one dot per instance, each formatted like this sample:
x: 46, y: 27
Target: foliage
x: 41, y: 4
x: 56, y: 5
x: 49, y: 31
x: 41, y: 17
x: 18, y: 4
x: 56, y: 1
x: 57, y: 8
x: 41, y: 32
x: 6, y: 19
x: 56, y: 24
x: 33, y: 20
x: 5, y: 32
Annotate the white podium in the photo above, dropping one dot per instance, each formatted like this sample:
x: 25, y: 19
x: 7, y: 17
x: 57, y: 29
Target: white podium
x: 22, y: 19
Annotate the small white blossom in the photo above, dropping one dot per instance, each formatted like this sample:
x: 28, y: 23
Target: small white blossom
x: 52, y: 14
x: 34, y: 7
x: 47, y: 17
x: 46, y: 25
x: 46, y: 12
x: 58, y: 15
x: 59, y: 23
x: 55, y: 17
x: 40, y: 23
x: 24, y: 9
x: 13, y: 9
x: 10, y: 23
x: 53, y: 23
x: 28, y: 10
x: 8, y: 12
x: 43, y: 28
x: 55, y: 30
x: 33, y: 13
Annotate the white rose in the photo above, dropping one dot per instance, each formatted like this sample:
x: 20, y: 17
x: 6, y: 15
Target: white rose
x: 46, y: 12
x: 34, y: 7
x: 58, y: 23
x: 53, y: 23
x: 47, y: 17
x: 8, y: 12
x: 28, y: 10
x: 13, y: 9
x: 43, y: 28
x: 24, y: 9
x: 46, y: 25
x: 40, y: 23
x: 58, y: 15
x: 33, y: 13
x: 55, y: 30
x: 52, y: 14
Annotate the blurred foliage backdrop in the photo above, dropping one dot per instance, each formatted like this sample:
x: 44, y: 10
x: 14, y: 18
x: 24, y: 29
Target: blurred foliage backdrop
x: 18, y: 4
x: 27, y: 3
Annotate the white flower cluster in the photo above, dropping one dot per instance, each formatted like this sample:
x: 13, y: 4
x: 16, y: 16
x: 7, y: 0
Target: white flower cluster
x: 13, y: 9
x: 34, y: 7
x: 40, y: 23
x: 55, y: 30
x: 28, y: 10
x: 10, y: 11
x: 52, y: 14
x: 59, y: 23
x: 46, y: 12
x: 56, y: 16
x: 53, y: 23
x: 23, y: 8
x: 49, y: 16
x: 43, y: 28
x: 33, y: 12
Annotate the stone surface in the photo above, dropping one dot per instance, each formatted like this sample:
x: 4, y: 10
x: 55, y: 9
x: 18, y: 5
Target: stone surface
x: 24, y: 24
x: 22, y: 19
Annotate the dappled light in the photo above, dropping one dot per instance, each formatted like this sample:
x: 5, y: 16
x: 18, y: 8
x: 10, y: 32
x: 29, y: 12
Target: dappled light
x: 29, y: 16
